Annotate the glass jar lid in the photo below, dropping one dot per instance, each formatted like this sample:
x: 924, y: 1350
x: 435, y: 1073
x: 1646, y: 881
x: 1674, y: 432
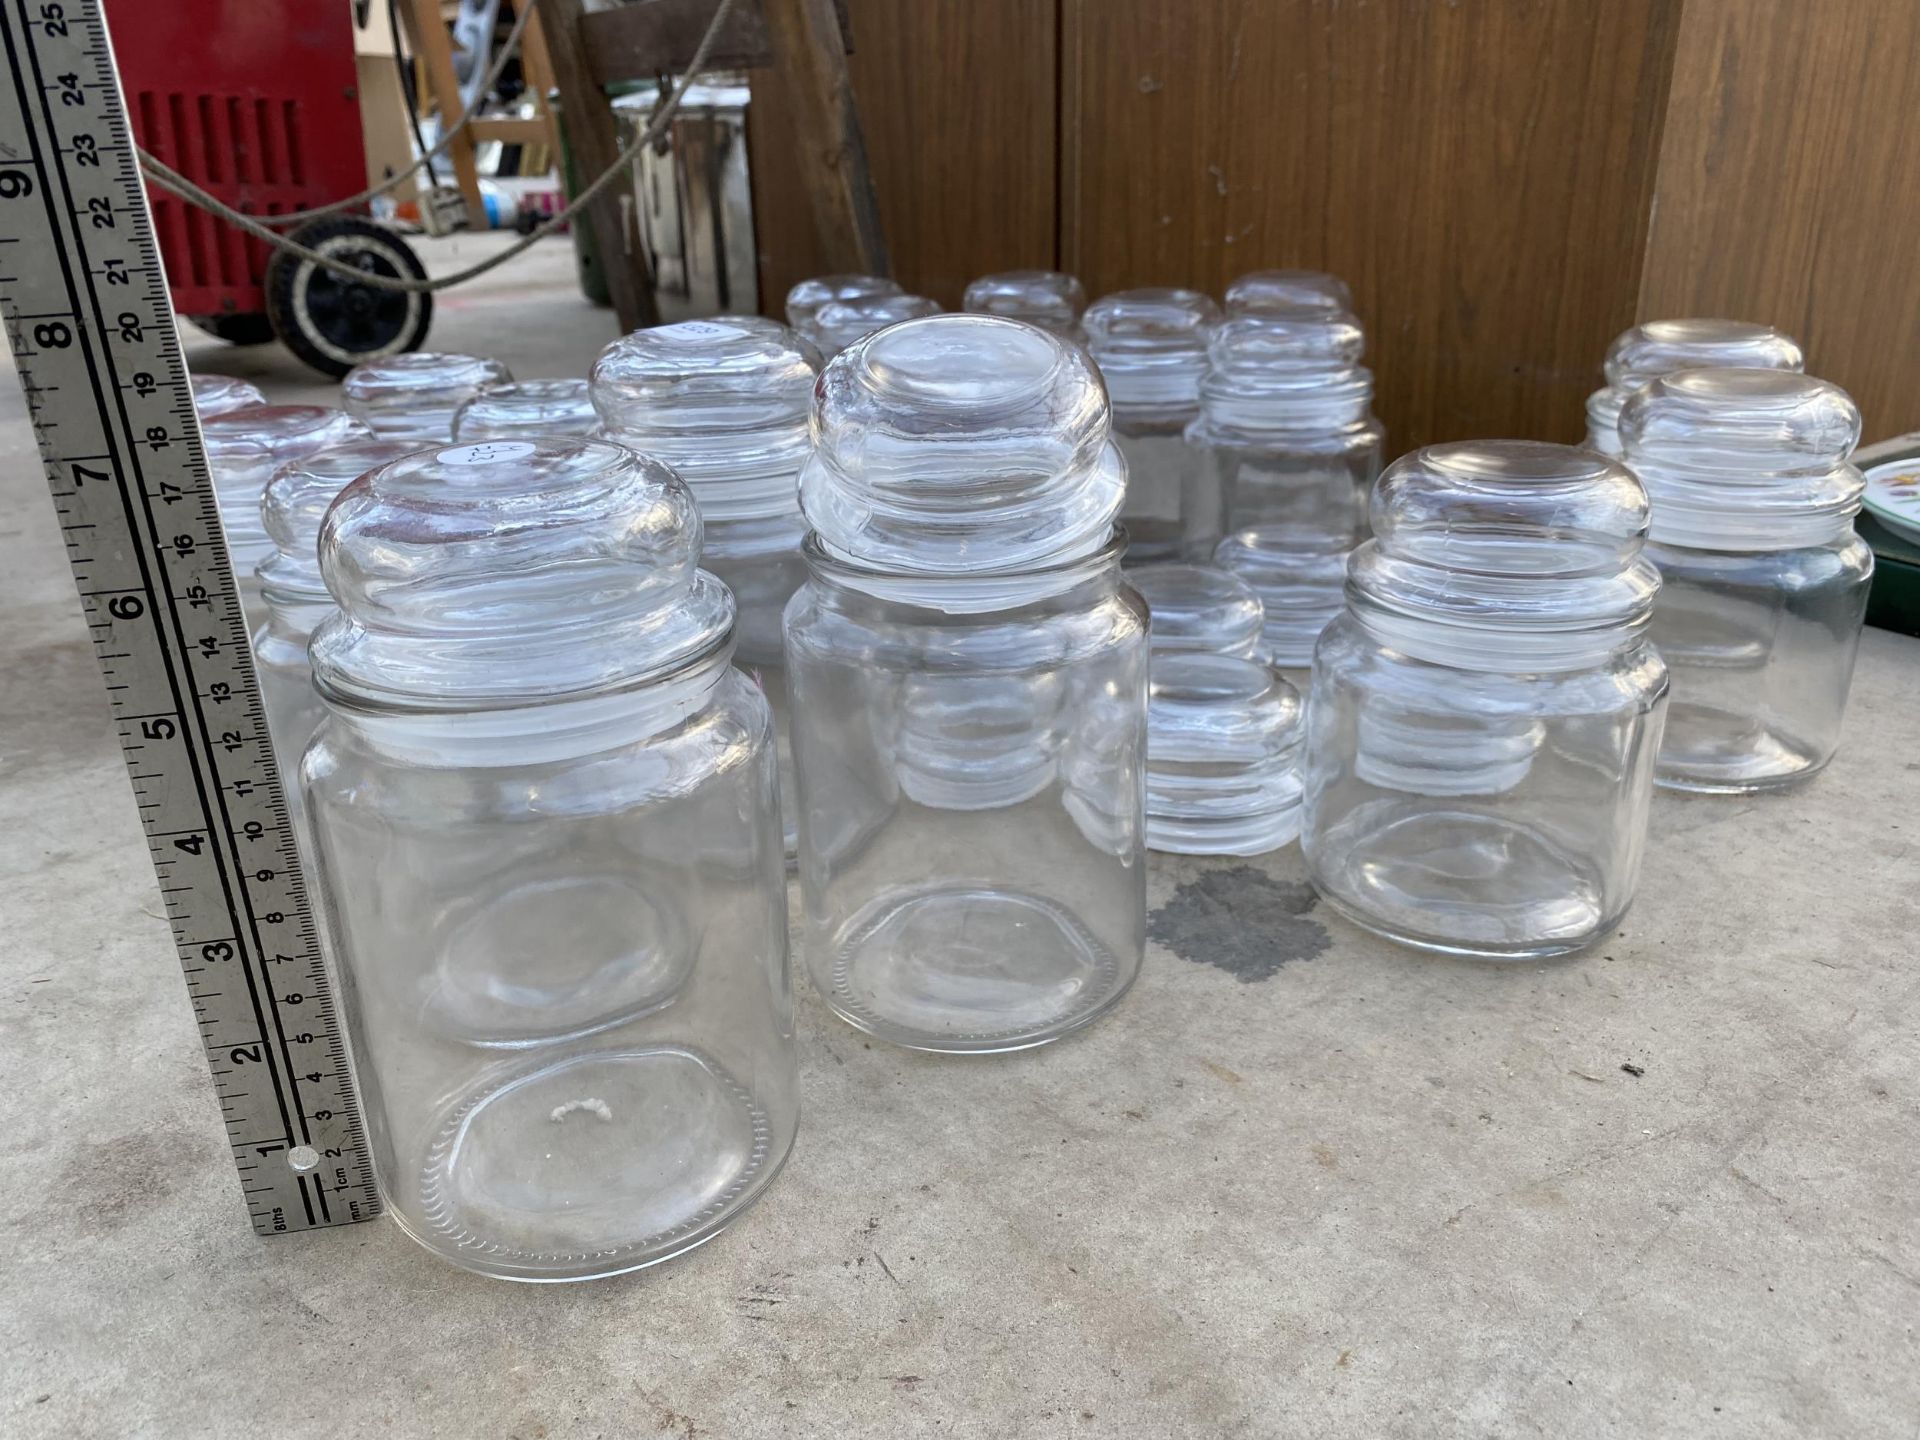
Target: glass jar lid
x: 1663, y: 347
x: 222, y: 394
x: 413, y: 395
x: 1199, y: 608
x: 527, y: 410
x: 295, y: 503
x: 1505, y: 555
x: 510, y: 573
x: 839, y: 323
x: 1286, y: 289
x: 959, y: 444
x: 245, y: 447
x: 1151, y: 345
x: 1285, y: 368
x: 804, y: 299
x: 1220, y: 708
x: 1743, y: 459
x: 1048, y: 298
x: 726, y: 402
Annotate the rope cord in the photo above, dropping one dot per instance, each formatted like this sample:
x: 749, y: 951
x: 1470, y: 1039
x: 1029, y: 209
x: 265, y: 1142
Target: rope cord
x: 167, y: 178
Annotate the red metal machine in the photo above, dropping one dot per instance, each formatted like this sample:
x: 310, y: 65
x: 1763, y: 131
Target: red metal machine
x: 257, y: 101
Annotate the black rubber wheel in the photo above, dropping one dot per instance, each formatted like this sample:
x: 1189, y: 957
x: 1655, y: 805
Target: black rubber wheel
x: 235, y: 329
x: 333, y: 323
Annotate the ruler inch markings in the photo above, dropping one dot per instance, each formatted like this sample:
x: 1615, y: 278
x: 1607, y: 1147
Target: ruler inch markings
x: 157, y: 589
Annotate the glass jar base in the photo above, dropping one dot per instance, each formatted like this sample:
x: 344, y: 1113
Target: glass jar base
x: 592, y: 1165
x: 1457, y: 882
x: 1240, y: 835
x: 1719, y: 752
x: 970, y: 970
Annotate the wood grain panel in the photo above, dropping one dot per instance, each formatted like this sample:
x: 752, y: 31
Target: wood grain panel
x: 1789, y: 187
x: 958, y: 103
x: 1479, y: 172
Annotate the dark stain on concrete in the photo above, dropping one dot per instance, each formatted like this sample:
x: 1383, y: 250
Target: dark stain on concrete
x: 1242, y: 920
x: 114, y: 1182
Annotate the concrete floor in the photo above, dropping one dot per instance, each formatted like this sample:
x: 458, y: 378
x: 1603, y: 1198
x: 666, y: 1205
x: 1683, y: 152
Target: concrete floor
x: 1300, y: 1183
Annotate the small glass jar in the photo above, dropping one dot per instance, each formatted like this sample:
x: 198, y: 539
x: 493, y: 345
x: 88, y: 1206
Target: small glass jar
x: 726, y: 402
x: 527, y: 410
x: 1151, y: 347
x: 805, y: 299
x: 1201, y: 608
x: 1765, y: 582
x: 413, y: 396
x: 548, y: 839
x: 222, y: 395
x: 1485, y: 713
x: 1047, y: 298
x: 244, y: 449
x: 839, y: 323
x: 1300, y: 575
x: 969, y: 678
x: 296, y: 597
x: 1260, y: 290
x: 1665, y: 347
x: 1286, y: 429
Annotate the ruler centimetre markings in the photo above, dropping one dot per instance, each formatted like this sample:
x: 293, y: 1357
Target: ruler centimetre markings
x: 85, y: 302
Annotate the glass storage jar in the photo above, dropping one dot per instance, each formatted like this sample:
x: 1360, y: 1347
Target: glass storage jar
x: 548, y: 840
x: 839, y: 323
x: 1485, y: 712
x: 244, y: 449
x: 805, y: 299
x: 1764, y: 582
x: 726, y: 402
x: 1259, y: 290
x: 1047, y: 298
x: 1300, y: 575
x: 1151, y: 347
x: 1224, y: 737
x: 1286, y: 430
x: 1665, y: 347
x: 969, y: 678
x: 222, y: 394
x: 413, y: 396
x: 527, y: 410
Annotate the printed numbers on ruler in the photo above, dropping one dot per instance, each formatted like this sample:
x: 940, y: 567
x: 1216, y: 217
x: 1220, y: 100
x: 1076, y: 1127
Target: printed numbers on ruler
x: 87, y: 311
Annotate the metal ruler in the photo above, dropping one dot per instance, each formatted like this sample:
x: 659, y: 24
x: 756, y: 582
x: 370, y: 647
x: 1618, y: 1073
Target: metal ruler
x: 86, y: 308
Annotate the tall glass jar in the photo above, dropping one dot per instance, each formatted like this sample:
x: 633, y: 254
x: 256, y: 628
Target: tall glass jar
x: 527, y: 410
x: 839, y: 323
x: 1286, y: 429
x: 969, y: 681
x: 805, y: 299
x: 413, y: 396
x: 1666, y: 347
x: 549, y: 846
x: 244, y: 449
x: 1047, y: 298
x: 1259, y: 290
x: 726, y: 403
x: 222, y: 394
x: 1151, y: 347
x: 1765, y: 583
x: 1485, y: 714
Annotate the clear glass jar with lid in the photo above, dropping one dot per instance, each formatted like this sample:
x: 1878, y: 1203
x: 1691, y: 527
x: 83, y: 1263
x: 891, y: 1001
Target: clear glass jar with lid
x: 546, y: 815
x: 222, y: 394
x: 413, y: 395
x: 969, y: 677
x: 805, y: 299
x: 1259, y: 290
x: 839, y: 323
x: 1665, y: 347
x: 1486, y: 711
x: 1047, y: 298
x: 244, y: 449
x: 1151, y: 347
x: 726, y: 403
x: 1286, y: 427
x: 528, y: 410
x: 1765, y: 582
